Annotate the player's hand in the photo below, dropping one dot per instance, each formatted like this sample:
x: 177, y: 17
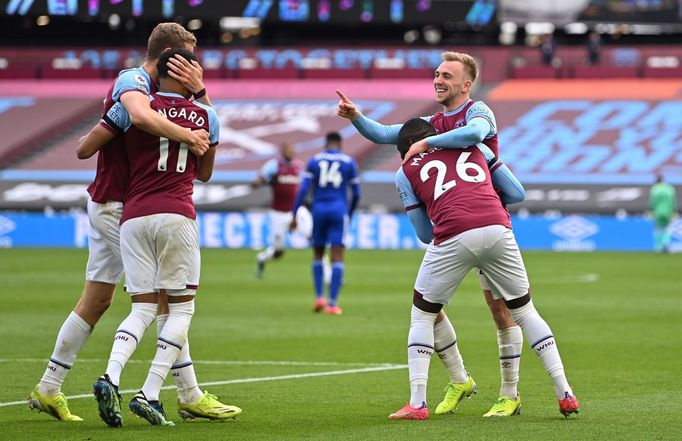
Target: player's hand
x: 199, y: 142
x: 188, y: 74
x: 293, y: 224
x: 415, y: 149
x: 346, y: 107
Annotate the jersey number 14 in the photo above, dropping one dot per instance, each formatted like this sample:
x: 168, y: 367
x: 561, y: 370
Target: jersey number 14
x: 330, y: 174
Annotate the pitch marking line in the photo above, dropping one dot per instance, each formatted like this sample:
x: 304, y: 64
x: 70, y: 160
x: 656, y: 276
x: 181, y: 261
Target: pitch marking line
x: 380, y: 368
x: 215, y: 362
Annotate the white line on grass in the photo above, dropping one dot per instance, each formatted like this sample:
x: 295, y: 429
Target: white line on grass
x: 385, y: 367
x: 216, y: 362
x: 578, y: 278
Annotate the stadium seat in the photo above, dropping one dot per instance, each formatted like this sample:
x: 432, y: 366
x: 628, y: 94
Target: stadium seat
x: 50, y: 73
x: 662, y: 72
x: 334, y: 73
x: 18, y: 73
x: 604, y: 72
x: 258, y: 73
x: 536, y: 71
x: 378, y: 73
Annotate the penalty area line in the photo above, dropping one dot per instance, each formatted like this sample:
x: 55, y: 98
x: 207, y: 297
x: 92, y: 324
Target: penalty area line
x: 388, y: 367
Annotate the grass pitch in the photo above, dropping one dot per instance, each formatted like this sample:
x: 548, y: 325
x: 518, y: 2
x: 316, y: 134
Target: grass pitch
x: 303, y: 376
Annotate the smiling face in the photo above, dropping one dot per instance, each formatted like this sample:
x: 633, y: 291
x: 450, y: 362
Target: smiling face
x: 452, y: 84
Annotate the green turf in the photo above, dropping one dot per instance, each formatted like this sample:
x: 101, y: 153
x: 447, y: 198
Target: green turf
x: 619, y: 337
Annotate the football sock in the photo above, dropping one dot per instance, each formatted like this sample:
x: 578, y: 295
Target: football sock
x: 183, y: 370
x: 173, y: 337
x: 266, y: 254
x: 445, y: 345
x: 419, y: 351
x: 318, y: 278
x: 129, y: 333
x: 335, y: 285
x: 71, y: 338
x: 510, y: 344
x: 541, y: 340
x: 327, y: 270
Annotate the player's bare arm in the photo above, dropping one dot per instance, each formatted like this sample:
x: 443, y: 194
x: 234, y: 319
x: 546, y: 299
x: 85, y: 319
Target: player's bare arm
x: 142, y: 116
x: 190, y: 75
x: 93, y: 141
x: 205, y: 165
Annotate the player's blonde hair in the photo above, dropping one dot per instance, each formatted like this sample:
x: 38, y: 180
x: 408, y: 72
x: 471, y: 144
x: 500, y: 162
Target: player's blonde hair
x: 168, y: 35
x: 467, y: 60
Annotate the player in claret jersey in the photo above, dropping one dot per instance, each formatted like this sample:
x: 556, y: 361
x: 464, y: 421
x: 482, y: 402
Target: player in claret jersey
x: 160, y: 246
x: 463, y: 122
x: 104, y: 267
x: 449, y: 197
x: 283, y: 175
x: 330, y: 174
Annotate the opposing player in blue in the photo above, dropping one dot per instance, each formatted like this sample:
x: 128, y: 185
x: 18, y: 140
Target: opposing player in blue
x: 330, y: 173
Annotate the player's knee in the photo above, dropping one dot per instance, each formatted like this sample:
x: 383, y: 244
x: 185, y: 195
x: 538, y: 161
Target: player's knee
x: 521, y: 308
x: 424, y: 305
x: 501, y: 314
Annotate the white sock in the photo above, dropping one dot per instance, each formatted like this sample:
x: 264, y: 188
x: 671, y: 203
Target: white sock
x: 173, y: 337
x: 419, y: 351
x: 71, y: 338
x: 541, y: 340
x: 129, y: 333
x: 183, y: 370
x: 510, y: 344
x: 445, y: 345
x: 266, y: 254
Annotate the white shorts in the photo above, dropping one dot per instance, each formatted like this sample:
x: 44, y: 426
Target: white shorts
x: 104, y: 260
x: 492, y: 249
x: 161, y: 251
x: 279, y: 227
x: 280, y: 222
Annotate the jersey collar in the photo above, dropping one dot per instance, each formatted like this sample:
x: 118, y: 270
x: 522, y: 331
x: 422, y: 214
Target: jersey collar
x: 457, y: 110
x: 173, y: 94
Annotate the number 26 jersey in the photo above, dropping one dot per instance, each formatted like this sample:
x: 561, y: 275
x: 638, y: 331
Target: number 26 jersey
x: 456, y: 189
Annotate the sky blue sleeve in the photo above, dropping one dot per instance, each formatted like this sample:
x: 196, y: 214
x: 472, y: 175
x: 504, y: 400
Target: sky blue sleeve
x: 421, y: 223
x: 269, y: 170
x: 377, y: 132
x: 405, y: 191
x: 118, y: 117
x: 462, y: 137
x: 508, y: 187
x: 481, y: 110
x: 213, y: 127
x: 130, y: 80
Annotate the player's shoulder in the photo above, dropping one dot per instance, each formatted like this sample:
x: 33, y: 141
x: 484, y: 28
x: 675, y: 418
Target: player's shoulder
x: 134, y: 76
x: 478, y: 107
x: 210, y: 110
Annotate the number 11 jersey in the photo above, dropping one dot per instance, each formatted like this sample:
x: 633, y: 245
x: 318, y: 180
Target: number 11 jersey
x: 456, y: 189
x: 162, y: 170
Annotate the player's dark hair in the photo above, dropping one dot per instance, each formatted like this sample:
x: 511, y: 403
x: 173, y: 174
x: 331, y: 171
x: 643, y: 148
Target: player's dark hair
x: 412, y: 131
x: 162, y: 64
x: 333, y: 139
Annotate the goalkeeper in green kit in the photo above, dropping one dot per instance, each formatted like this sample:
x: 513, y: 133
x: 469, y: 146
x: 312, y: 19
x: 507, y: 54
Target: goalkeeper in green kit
x: 663, y: 206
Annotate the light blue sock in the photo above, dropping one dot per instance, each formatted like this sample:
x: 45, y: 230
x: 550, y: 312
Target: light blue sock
x: 318, y: 278
x: 335, y: 285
